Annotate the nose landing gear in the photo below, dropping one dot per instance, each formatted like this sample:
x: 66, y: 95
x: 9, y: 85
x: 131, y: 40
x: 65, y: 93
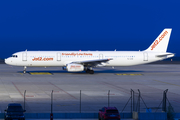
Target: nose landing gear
x: 24, y: 70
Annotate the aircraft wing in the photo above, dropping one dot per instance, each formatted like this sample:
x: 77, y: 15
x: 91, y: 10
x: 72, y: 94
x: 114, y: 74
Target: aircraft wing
x: 93, y: 63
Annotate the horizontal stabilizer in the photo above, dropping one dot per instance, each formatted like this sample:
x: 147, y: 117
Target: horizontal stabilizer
x: 165, y: 55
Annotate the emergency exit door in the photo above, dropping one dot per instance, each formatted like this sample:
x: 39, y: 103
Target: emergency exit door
x: 100, y: 56
x: 24, y: 56
x: 145, y: 56
x: 58, y: 56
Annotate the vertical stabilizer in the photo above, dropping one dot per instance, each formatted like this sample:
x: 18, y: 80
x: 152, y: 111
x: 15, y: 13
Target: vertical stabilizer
x: 161, y: 42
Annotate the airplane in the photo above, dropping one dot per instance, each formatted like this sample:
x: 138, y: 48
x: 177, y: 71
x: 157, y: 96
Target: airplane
x: 76, y: 61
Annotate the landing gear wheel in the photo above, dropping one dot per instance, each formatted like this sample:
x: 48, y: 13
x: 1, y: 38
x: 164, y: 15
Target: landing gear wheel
x: 91, y: 71
x: 87, y: 71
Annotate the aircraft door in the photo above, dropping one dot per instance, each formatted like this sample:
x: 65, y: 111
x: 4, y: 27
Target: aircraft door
x: 58, y: 56
x: 145, y: 56
x: 100, y: 56
x: 24, y: 56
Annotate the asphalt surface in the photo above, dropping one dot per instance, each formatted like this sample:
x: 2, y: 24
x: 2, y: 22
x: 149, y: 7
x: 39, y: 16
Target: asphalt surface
x: 151, y: 80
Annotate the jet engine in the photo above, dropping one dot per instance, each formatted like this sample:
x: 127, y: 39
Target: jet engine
x: 74, y: 67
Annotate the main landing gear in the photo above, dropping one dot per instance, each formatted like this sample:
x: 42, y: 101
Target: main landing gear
x: 24, y: 69
x: 90, y: 71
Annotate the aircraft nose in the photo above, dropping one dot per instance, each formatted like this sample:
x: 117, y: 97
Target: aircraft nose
x: 6, y: 61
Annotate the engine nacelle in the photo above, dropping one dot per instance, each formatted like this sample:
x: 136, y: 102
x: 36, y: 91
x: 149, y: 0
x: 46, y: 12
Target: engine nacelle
x: 74, y: 67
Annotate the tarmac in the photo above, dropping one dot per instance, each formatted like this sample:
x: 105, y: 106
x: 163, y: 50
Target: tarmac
x: 150, y: 79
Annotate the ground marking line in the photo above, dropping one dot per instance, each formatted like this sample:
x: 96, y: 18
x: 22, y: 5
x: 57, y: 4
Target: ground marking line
x: 62, y: 90
x: 40, y: 73
x: 167, y: 83
x: 18, y: 90
x: 129, y: 74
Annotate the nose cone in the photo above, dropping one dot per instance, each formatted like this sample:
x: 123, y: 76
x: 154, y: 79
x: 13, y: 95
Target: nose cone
x: 7, y: 61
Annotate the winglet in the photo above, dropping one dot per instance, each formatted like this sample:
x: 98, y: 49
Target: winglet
x: 161, y: 42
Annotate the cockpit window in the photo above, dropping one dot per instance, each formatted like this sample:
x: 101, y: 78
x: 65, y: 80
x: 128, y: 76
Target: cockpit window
x: 14, y: 56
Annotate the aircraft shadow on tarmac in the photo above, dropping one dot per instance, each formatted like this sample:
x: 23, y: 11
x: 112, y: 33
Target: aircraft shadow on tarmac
x: 95, y: 71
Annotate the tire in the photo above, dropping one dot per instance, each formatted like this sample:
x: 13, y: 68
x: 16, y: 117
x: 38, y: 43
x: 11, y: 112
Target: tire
x: 87, y: 71
x: 91, y: 71
x: 99, y: 117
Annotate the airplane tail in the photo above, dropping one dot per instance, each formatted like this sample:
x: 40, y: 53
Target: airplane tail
x: 161, y: 42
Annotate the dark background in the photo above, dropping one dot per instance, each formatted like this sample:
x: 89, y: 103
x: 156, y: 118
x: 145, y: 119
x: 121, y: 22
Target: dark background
x: 129, y: 25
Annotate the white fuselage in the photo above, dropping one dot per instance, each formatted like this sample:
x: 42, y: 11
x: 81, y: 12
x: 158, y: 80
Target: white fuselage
x: 74, y: 61
x: 61, y: 58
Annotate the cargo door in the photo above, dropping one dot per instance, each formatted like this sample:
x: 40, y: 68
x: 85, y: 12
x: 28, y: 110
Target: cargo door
x: 58, y: 56
x: 24, y: 56
x: 100, y: 56
x: 145, y: 56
